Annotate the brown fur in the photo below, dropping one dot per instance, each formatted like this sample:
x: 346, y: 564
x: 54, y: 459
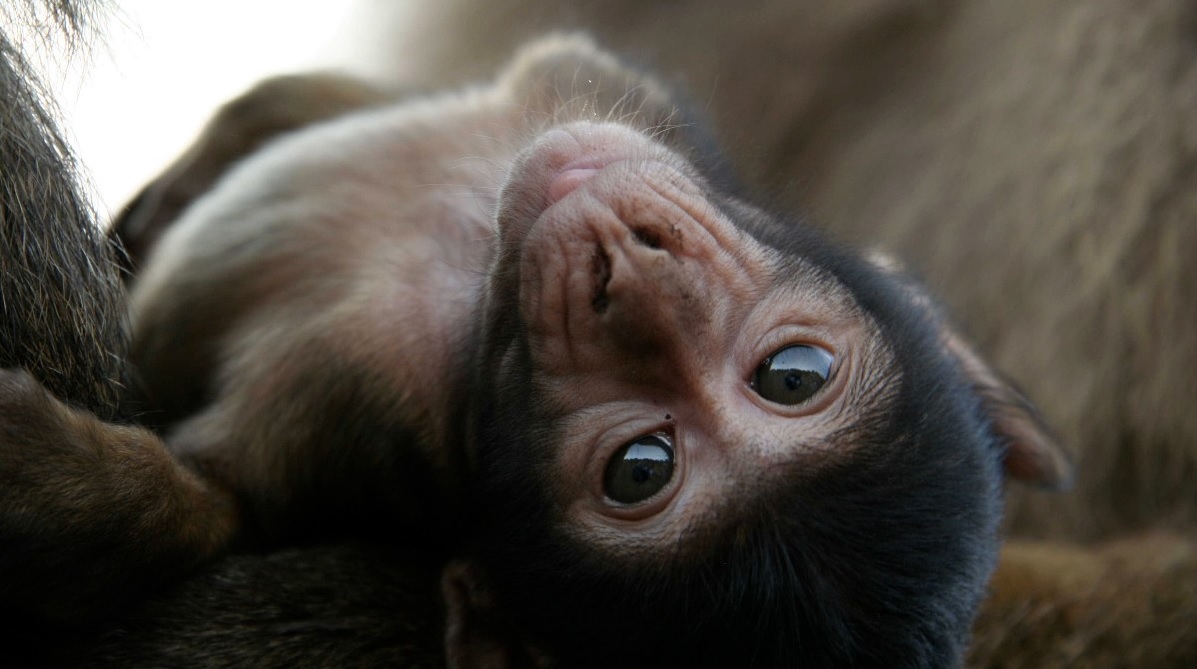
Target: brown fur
x: 339, y: 606
x: 64, y: 475
x: 84, y: 497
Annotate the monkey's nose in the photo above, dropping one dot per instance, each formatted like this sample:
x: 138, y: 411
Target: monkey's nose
x: 601, y: 277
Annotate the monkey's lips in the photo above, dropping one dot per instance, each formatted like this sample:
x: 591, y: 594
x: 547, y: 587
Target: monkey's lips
x: 564, y: 158
x: 561, y: 162
x: 568, y: 178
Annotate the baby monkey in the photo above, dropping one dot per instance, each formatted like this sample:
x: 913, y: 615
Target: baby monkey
x: 662, y: 426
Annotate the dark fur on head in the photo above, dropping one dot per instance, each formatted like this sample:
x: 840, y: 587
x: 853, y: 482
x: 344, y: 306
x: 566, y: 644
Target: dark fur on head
x: 61, y: 301
x: 873, y: 557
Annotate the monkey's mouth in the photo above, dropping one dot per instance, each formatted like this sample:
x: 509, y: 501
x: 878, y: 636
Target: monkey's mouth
x: 571, y: 176
x: 600, y: 272
x: 558, y: 163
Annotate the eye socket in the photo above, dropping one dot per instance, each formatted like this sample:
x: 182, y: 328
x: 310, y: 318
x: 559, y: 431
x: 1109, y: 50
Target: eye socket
x: 639, y: 470
x: 793, y: 374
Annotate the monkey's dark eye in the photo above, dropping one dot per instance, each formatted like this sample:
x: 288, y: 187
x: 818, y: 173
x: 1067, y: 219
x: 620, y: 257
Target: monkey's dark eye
x: 639, y: 470
x: 793, y: 374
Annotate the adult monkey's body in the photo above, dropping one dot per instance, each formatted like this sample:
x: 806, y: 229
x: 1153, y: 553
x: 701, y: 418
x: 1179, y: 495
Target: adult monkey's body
x: 646, y: 383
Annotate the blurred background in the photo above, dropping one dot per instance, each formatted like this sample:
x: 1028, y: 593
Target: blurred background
x: 136, y: 99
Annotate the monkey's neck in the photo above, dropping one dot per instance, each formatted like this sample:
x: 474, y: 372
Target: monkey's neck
x: 439, y: 259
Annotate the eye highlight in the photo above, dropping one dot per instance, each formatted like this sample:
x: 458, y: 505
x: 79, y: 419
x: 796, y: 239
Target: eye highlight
x: 640, y: 469
x: 793, y: 374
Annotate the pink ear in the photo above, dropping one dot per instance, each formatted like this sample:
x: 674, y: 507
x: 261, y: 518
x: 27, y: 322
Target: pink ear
x: 476, y: 635
x: 1033, y: 453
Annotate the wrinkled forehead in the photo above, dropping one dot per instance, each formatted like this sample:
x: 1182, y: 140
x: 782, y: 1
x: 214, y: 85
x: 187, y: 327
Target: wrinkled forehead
x: 804, y: 268
x: 838, y: 295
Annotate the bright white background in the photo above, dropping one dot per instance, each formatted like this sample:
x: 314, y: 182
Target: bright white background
x: 162, y: 67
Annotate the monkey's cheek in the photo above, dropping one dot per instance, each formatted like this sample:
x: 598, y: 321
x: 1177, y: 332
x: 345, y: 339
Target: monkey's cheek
x: 557, y: 289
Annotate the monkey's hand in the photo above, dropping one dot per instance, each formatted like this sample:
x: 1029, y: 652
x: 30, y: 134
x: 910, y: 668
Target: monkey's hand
x: 92, y: 513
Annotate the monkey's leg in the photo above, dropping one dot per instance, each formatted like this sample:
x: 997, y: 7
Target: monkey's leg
x: 241, y: 126
x: 92, y: 513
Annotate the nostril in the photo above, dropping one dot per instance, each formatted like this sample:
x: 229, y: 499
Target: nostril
x: 646, y: 237
x: 600, y: 269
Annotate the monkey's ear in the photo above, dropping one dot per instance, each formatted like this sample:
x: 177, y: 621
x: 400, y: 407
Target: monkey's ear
x: 563, y: 70
x: 1033, y: 454
x: 476, y: 634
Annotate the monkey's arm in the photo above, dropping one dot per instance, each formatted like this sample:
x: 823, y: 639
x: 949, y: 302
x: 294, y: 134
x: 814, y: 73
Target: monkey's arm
x: 92, y: 513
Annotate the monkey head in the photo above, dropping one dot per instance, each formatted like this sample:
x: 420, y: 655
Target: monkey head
x: 699, y: 421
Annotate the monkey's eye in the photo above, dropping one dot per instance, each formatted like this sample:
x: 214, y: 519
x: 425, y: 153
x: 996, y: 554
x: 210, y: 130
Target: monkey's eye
x: 639, y: 470
x: 793, y: 374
